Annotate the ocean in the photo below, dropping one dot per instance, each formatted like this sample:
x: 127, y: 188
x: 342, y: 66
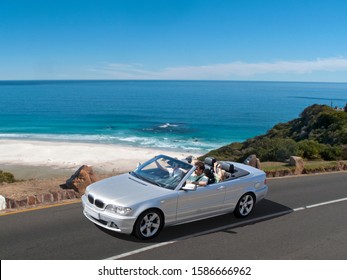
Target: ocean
x: 188, y: 116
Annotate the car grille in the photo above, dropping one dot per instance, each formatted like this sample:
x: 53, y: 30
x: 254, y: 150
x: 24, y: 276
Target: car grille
x: 97, y: 202
x: 91, y: 199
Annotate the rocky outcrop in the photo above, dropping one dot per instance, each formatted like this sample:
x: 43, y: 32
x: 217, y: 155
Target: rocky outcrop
x: 82, y: 178
x: 74, y: 188
x: 253, y: 161
x: 298, y: 163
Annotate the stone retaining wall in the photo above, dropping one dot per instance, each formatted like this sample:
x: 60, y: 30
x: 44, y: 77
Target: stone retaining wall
x: 39, y: 199
x: 288, y: 172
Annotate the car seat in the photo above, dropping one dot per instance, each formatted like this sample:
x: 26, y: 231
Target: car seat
x: 209, y: 170
x: 210, y: 175
x: 210, y: 161
x: 229, y: 169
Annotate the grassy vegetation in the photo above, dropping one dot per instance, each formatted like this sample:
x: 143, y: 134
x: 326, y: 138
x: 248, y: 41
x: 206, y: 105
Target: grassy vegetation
x: 317, y: 165
x: 276, y: 166
x: 308, y: 165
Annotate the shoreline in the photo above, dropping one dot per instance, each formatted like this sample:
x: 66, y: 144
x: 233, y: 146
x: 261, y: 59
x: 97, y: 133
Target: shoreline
x: 44, y: 159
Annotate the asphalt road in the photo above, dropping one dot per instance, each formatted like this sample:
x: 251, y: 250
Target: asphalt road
x: 283, y: 226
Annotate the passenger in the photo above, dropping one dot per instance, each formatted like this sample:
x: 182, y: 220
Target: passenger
x: 198, y: 178
x: 173, y: 169
x: 219, y: 173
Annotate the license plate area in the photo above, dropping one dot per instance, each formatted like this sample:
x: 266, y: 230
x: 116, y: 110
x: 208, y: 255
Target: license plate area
x: 92, y: 213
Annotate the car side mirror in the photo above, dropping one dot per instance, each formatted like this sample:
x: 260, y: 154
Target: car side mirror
x: 189, y: 187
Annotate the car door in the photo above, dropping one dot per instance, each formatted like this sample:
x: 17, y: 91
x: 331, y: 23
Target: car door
x: 203, y: 201
x: 234, y: 190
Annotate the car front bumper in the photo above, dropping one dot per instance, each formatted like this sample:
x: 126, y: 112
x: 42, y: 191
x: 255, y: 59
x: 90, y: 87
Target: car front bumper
x: 108, y: 220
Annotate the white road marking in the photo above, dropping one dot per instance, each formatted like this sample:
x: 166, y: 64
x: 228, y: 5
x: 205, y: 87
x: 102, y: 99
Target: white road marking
x: 140, y: 250
x: 327, y: 202
x: 226, y: 227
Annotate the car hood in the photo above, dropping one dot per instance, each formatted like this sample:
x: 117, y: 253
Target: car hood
x: 125, y: 190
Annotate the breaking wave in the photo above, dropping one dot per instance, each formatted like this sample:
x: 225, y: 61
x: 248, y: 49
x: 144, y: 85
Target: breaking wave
x: 190, y: 144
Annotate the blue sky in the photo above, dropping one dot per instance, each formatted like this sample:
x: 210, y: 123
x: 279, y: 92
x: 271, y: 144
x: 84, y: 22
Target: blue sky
x: 201, y: 40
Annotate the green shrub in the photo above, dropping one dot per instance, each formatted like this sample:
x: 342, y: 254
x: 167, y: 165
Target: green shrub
x: 310, y: 149
x: 6, y: 177
x: 313, y: 150
x: 332, y: 152
x: 276, y: 149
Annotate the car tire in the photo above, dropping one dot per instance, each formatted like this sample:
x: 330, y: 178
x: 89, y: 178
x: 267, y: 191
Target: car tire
x: 245, y: 205
x: 149, y: 224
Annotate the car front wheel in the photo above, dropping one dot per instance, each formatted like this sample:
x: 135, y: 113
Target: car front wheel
x: 149, y: 224
x: 245, y: 205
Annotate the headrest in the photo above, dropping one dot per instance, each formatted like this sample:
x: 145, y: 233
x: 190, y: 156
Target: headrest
x: 210, y: 161
x: 228, y: 167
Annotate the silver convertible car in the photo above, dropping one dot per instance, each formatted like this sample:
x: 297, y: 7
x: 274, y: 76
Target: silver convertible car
x: 159, y: 192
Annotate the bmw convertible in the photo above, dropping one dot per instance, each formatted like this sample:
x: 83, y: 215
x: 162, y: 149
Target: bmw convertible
x: 159, y: 193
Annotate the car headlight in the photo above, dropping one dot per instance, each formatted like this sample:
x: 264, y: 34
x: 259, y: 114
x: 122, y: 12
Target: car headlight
x: 118, y: 209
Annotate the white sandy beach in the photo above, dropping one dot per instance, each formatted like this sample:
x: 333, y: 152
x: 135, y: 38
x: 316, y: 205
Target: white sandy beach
x: 67, y: 155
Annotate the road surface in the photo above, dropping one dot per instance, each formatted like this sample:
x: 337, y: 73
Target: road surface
x: 302, y: 217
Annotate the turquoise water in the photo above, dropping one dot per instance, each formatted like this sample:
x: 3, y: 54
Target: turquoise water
x: 191, y: 116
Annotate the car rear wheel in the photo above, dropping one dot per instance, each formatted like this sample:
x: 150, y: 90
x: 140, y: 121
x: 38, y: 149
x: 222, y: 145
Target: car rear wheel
x: 149, y: 224
x: 245, y: 205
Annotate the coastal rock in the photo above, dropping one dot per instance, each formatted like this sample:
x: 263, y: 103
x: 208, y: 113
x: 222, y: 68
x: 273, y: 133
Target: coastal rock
x: 298, y: 162
x: 253, y: 161
x: 82, y: 178
x: 2, y: 203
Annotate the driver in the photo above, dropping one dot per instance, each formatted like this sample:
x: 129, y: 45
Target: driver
x: 198, y: 177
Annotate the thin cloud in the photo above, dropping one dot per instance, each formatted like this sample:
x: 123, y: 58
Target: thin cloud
x: 233, y: 70
x: 125, y: 71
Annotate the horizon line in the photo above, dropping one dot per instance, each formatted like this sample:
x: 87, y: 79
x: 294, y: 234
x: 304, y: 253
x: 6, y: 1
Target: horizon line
x: 166, y: 80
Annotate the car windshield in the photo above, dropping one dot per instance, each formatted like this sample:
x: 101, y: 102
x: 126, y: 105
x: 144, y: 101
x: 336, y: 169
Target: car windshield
x: 162, y: 171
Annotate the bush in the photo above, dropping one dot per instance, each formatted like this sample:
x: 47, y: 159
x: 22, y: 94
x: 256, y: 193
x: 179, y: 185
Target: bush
x: 332, y: 153
x: 6, y: 177
x: 310, y: 149
x: 275, y: 149
x: 231, y: 152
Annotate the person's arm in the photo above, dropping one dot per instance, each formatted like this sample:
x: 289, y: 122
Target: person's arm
x: 217, y: 171
x: 160, y: 166
x: 202, y: 182
x: 215, y: 166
